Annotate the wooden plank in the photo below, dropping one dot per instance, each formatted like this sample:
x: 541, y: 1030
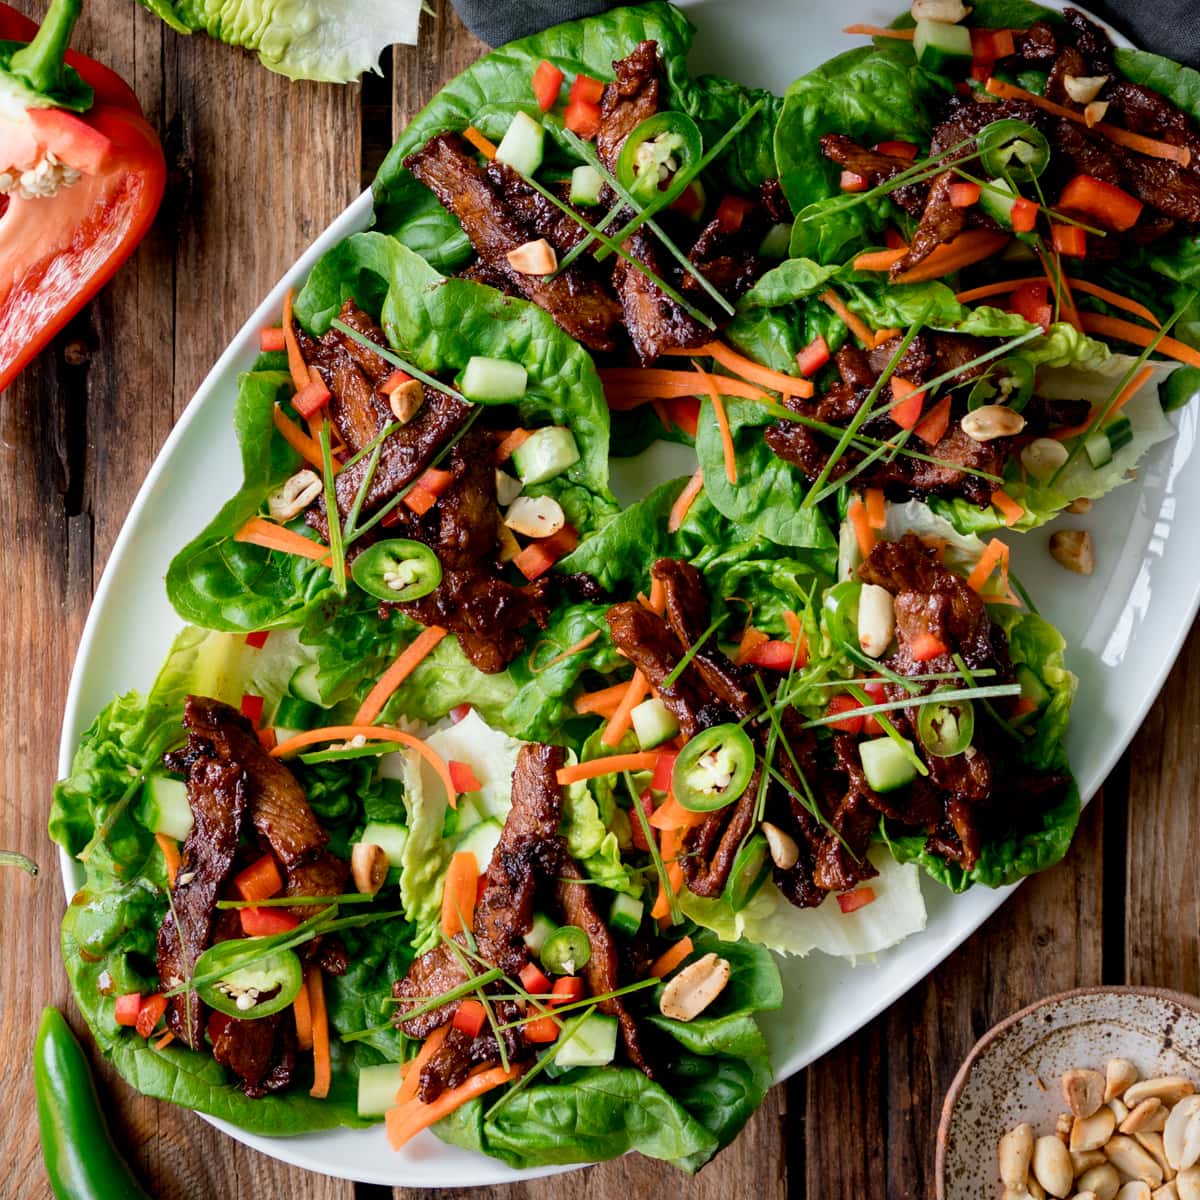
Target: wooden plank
x: 446, y: 47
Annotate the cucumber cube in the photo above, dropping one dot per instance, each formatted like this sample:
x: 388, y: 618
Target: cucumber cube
x: 539, y: 931
x: 885, y: 764
x: 522, y: 144
x: 390, y: 839
x: 165, y: 808
x: 654, y: 723
x: 377, y: 1088
x: 625, y: 916
x: 777, y: 242
x: 586, y: 185
x: 943, y: 48
x: 545, y: 453
x: 593, y: 1042
x: 493, y: 380
x: 481, y: 840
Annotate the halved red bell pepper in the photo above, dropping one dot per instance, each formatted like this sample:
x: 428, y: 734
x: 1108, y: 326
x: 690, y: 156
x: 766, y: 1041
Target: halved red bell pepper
x: 83, y: 175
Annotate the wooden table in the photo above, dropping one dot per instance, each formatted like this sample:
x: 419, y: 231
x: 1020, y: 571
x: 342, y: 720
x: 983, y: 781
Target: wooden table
x: 258, y: 168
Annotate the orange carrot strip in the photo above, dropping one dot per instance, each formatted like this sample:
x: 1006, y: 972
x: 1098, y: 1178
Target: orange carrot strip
x: 296, y: 364
x: 995, y: 554
x: 1061, y: 288
x: 679, y: 510
x: 485, y: 147
x: 1122, y: 137
x: 727, y: 450
x: 571, y: 651
x: 644, y: 760
x: 672, y: 815
x: 260, y: 532
x: 458, y: 893
x: 902, y: 35
x: 405, y: 1122
x: 751, y: 640
x: 885, y: 335
x: 1127, y: 331
x: 413, y: 1069
x: 856, y: 514
x: 856, y: 325
x: 302, y: 1011
x: 299, y: 441
x: 879, y: 260
x: 602, y: 703
x: 621, y: 719
x: 322, y: 1062
x: 1079, y: 285
x: 1012, y: 511
x: 170, y: 853
x: 876, y: 510
x: 164, y: 1041
x: 504, y: 450
x: 339, y: 733
x: 1131, y: 389
x: 748, y: 369
x: 406, y: 663
x: 671, y: 844
x: 639, y: 385
x: 970, y: 247
x: 794, y: 627
x: 658, y: 595
x: 670, y: 958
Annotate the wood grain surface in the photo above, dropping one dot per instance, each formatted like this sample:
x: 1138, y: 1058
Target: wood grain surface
x: 258, y: 167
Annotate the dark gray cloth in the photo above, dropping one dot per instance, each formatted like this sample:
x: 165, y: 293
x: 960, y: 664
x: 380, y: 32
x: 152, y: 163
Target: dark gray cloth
x: 1170, y: 27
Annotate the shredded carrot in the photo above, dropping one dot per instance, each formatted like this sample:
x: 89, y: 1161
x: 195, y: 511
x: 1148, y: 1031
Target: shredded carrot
x: 458, y: 893
x: 885, y: 335
x: 170, y: 853
x: 747, y: 368
x: 672, y: 815
x: 879, y: 260
x: 670, y: 958
x: 1127, y: 331
x: 296, y: 364
x: 629, y: 387
x: 794, y: 627
x: 1011, y: 510
x: 727, y: 450
x: 970, y: 247
x: 876, y: 510
x: 856, y: 325
x: 751, y: 640
x: 511, y: 441
x: 644, y: 760
x: 260, y: 532
x: 337, y: 733
x: 681, y: 507
x: 618, y: 725
x: 672, y: 842
x: 995, y: 554
x: 405, y: 1122
x: 306, y: 447
x: 302, y: 1011
x: 406, y: 663
x: 902, y: 35
x: 412, y: 1074
x: 164, y: 1041
x: 856, y: 514
x: 1130, y: 390
x: 602, y: 703
x: 1121, y: 137
x: 322, y: 1062
x: 579, y: 647
x: 485, y: 146
x: 658, y: 595
x: 1061, y: 288
x: 1079, y: 285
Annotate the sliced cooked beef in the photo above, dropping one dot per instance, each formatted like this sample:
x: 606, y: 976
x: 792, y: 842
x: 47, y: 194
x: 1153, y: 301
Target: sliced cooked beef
x: 915, y: 365
x: 1069, y: 63
x: 952, y: 352
x: 654, y: 321
x: 872, y: 165
x: 1083, y: 155
x: 729, y: 259
x: 533, y: 210
x: 842, y: 861
x: 216, y: 792
x: 628, y: 101
x: 1149, y: 112
x: 434, y: 972
x: 1092, y: 42
x: 602, y: 970
x: 710, y: 848
x: 941, y: 222
x: 1038, y: 45
x: 262, y: 1052
x: 575, y: 298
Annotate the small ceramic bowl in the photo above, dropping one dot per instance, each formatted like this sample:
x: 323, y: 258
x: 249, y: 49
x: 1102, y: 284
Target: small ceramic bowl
x: 1012, y: 1074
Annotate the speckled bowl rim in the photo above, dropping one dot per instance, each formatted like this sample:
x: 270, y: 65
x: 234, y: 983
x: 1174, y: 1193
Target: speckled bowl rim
x: 954, y: 1092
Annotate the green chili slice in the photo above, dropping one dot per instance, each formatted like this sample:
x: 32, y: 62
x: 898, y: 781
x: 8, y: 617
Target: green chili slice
x: 714, y: 768
x: 748, y: 873
x: 566, y: 950
x: 946, y: 728
x: 1008, y: 382
x: 1013, y: 149
x: 841, y: 611
x: 660, y: 150
x: 399, y: 570
x: 257, y: 989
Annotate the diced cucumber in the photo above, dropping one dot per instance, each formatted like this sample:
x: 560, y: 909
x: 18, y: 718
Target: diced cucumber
x: 593, y: 1041
x: 304, y: 684
x: 586, y: 185
x: 377, y: 1088
x: 777, y: 243
x: 294, y: 713
x: 389, y: 838
x: 493, y: 380
x: 545, y: 453
x: 481, y: 840
x: 1104, y: 443
x: 1032, y: 688
x: 996, y: 198
x: 654, y: 723
x: 943, y: 48
x: 885, y: 764
x: 165, y: 807
x: 625, y: 916
x: 539, y: 931
x: 522, y: 143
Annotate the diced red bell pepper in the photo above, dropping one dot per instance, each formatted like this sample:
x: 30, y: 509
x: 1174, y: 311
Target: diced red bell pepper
x: 690, y: 202
x: 267, y: 739
x: 931, y: 428
x: 534, y: 979
x: 567, y: 990
x: 850, y: 902
x: 127, y: 1008
x: 1024, y: 214
x: 777, y: 656
x: 262, y: 922
x: 731, y: 212
x: 311, y: 398
x: 638, y: 834
x: 539, y: 556
x: 850, y: 181
x: 925, y: 646
x: 394, y: 380
x: 463, y: 776
x: 260, y: 880
x: 218, y: 1023
x: 547, y: 80
x: 814, y: 356
x: 963, y: 195
x: 424, y: 494
x: 460, y: 712
x: 586, y: 89
x: 540, y: 1031
x: 1069, y: 240
x: 893, y: 239
x: 582, y: 117
x: 419, y: 499
x: 1107, y: 205
x: 898, y: 149
x: 252, y: 708
x: 1031, y: 301
x: 470, y: 1017
x: 270, y: 339
x: 845, y: 703
x: 664, y: 768
x: 910, y: 401
x: 987, y: 45
x: 981, y: 71
x: 258, y: 639
x: 149, y: 1014
x: 876, y: 695
x: 684, y: 412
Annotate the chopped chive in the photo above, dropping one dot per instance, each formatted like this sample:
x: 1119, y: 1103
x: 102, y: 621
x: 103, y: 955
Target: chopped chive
x: 1005, y: 725
x: 938, y: 697
x: 385, y: 433
x: 361, y: 494
x: 392, y: 357
x: 655, y: 856
x: 559, y: 1009
x: 691, y: 653
x: 458, y: 992
x: 337, y: 548
x: 538, y: 1066
x: 297, y: 901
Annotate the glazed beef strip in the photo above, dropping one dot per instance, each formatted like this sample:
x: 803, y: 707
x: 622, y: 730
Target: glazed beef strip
x: 630, y: 99
x: 576, y: 298
x: 262, y: 1052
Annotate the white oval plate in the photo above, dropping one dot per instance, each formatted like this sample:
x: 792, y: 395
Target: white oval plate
x: 1125, y: 624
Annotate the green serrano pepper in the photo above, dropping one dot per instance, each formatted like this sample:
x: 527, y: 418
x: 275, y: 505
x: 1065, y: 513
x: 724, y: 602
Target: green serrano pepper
x: 81, y: 1160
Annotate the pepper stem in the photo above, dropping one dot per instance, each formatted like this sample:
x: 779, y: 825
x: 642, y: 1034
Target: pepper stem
x: 40, y: 64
